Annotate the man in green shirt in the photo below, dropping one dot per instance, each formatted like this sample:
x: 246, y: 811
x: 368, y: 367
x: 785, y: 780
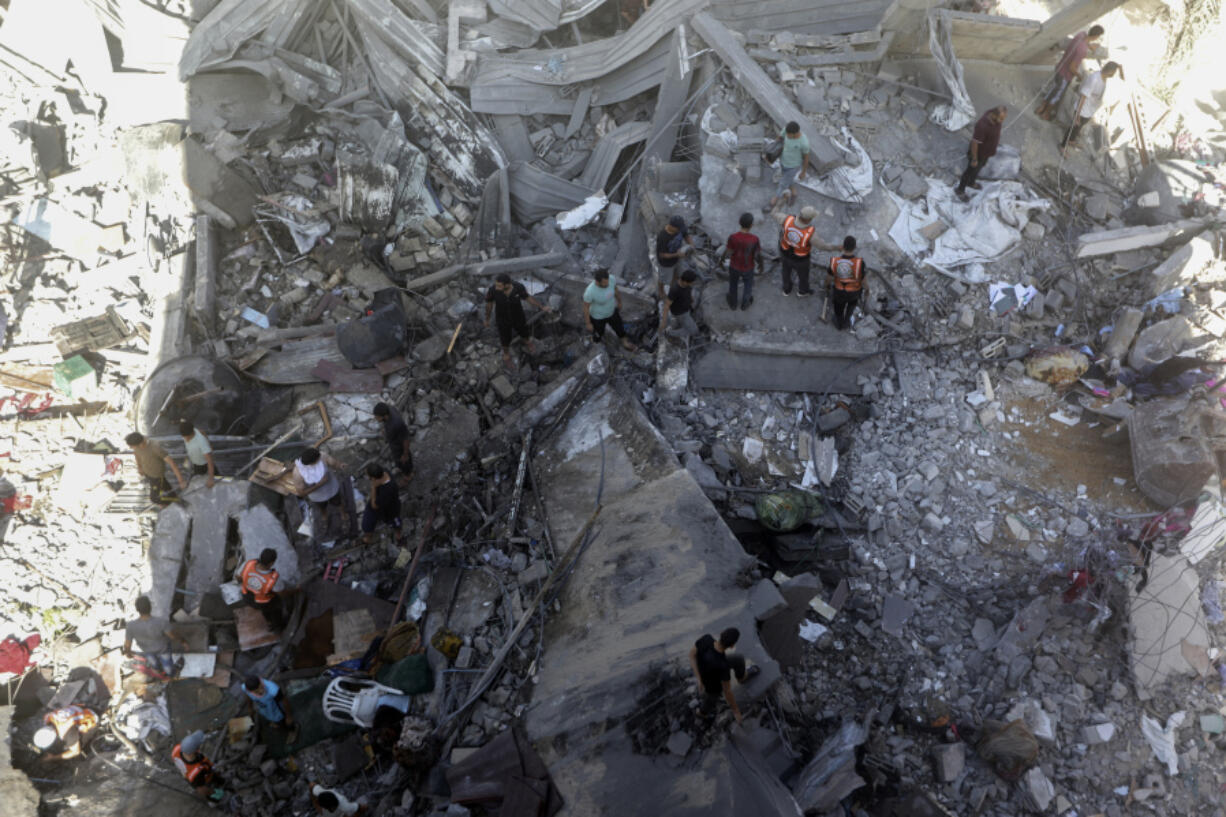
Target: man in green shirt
x: 602, y: 307
x: 199, y: 452
x: 795, y: 163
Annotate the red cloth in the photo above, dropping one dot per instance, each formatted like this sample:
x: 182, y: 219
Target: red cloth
x: 15, y: 654
x: 743, y: 251
x: 987, y: 134
x: 1073, y: 55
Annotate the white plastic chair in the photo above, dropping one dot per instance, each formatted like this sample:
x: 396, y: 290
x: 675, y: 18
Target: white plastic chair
x: 355, y: 700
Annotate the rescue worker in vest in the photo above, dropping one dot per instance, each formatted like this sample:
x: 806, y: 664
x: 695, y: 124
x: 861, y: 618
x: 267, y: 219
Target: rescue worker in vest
x: 196, y: 769
x: 845, y: 279
x: 795, y: 245
x: 256, y: 580
x: 67, y: 732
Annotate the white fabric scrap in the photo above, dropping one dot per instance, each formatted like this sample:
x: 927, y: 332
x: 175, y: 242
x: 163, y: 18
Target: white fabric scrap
x: 981, y: 230
x: 1162, y: 741
x: 850, y: 184
x: 584, y: 214
x: 1021, y: 294
x: 961, y: 112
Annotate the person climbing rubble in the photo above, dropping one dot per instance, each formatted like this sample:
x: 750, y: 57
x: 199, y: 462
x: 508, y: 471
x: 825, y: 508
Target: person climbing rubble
x: 1089, y: 100
x: 396, y: 433
x: 680, y: 305
x: 673, y: 243
x: 320, y: 485
x: 1066, y: 71
x: 505, y: 300
x: 152, y: 637
x: 984, y: 142
x: 66, y: 732
x: 382, y: 504
x: 743, y: 251
x: 794, y: 162
x: 845, y: 281
x: 795, y: 246
x: 714, y: 667
x: 602, y: 307
x: 197, y: 769
x: 267, y: 700
x: 151, y: 462
x: 256, y: 580
x: 199, y: 459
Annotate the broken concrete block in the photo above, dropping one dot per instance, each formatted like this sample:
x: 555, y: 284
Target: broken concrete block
x: 1038, y: 789
x: 1122, y: 332
x: 503, y: 387
x: 1098, y: 733
x: 934, y: 230
x: 716, y: 146
x: 1158, y: 342
x: 765, y: 600
x: 833, y: 420
x: 949, y: 759
x: 1183, y: 266
x: 911, y: 185
x: 535, y: 572
x: 895, y: 614
x: 729, y: 184
x: 259, y: 528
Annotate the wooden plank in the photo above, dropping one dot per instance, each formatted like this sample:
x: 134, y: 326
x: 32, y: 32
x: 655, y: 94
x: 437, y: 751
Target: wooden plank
x: 770, y: 97
x: 253, y: 630
x: 268, y: 474
x: 36, y: 379
x: 1103, y: 242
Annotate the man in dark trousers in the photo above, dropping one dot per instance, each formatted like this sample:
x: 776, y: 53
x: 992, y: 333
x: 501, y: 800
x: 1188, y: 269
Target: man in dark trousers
x: 743, y: 252
x: 673, y: 243
x: 1066, y: 71
x: 382, y: 504
x: 679, y: 306
x: 257, y: 580
x: 983, y: 147
x: 505, y: 299
x: 846, y: 282
x: 714, y: 667
x: 396, y: 432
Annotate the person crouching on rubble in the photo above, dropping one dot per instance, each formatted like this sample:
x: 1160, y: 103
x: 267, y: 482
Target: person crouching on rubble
x: 320, y: 485
x: 256, y: 580
x: 197, y: 769
x: 66, y: 732
x: 714, y: 667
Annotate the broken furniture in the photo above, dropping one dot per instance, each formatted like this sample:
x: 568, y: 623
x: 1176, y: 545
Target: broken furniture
x: 356, y: 700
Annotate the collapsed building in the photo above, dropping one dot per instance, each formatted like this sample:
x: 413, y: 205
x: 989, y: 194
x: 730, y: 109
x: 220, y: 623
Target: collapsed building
x: 973, y: 544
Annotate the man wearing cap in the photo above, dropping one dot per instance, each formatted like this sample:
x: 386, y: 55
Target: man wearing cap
x: 795, y: 245
x: 196, y: 769
x: 66, y: 732
x: 673, y: 243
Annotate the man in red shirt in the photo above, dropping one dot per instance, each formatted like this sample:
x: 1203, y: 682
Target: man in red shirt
x: 983, y: 147
x: 1066, y: 71
x: 743, y: 252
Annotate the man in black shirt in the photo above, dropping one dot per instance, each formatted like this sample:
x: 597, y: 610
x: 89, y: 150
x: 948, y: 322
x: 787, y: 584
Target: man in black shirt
x: 505, y: 299
x: 672, y: 244
x: 680, y: 305
x: 382, y: 504
x: 396, y: 432
x: 714, y: 668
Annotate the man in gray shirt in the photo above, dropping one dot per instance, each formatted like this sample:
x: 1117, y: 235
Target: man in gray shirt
x: 152, y: 637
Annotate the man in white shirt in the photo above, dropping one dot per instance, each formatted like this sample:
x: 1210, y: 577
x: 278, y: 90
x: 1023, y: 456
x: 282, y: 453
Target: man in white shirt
x: 1089, y: 99
x: 317, y: 473
x: 331, y: 803
x: 199, y: 452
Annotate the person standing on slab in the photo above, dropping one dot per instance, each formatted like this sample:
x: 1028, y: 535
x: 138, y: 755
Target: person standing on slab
x: 199, y: 452
x: 1089, y: 100
x: 257, y: 579
x: 714, y: 667
x: 151, y: 463
x: 505, y: 300
x: 795, y: 246
x: 679, y: 306
x: 673, y: 243
x: 743, y: 251
x: 396, y: 433
x: 382, y: 504
x: 794, y: 162
x: 846, y: 282
x: 152, y: 636
x: 602, y: 307
x: 984, y: 142
x: 1066, y: 71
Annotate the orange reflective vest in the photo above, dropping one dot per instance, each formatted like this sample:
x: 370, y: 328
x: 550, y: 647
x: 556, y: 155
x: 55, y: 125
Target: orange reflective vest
x: 197, y: 772
x: 257, y: 582
x: 848, y: 273
x: 796, y: 239
x: 72, y: 715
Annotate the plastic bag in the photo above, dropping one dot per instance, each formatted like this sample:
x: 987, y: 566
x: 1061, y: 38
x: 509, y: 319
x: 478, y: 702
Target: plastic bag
x: 786, y: 510
x: 1010, y: 748
x: 1162, y: 741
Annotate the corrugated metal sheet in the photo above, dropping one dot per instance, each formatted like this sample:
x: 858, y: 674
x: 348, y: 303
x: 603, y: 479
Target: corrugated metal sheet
x: 230, y: 24
x: 583, y: 63
x: 800, y: 16
x: 604, y: 157
x: 542, y: 15
x: 400, y: 33
x: 536, y: 194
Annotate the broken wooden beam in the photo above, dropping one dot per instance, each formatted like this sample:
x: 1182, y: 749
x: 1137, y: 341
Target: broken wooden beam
x: 823, y: 155
x: 1104, y: 242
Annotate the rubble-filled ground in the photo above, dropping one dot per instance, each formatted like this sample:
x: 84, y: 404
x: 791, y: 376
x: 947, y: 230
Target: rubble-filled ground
x: 981, y: 530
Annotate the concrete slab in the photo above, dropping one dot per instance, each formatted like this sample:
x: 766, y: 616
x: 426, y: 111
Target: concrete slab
x: 1167, y: 624
x: 259, y: 528
x: 725, y: 369
x: 211, y: 510
x: 630, y: 606
x: 166, y: 549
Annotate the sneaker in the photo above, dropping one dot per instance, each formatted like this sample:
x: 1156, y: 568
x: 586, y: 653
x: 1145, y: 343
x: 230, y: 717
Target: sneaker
x: 731, y: 301
x: 746, y: 304
x: 961, y: 194
x: 975, y: 186
x: 787, y: 292
x: 804, y: 294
